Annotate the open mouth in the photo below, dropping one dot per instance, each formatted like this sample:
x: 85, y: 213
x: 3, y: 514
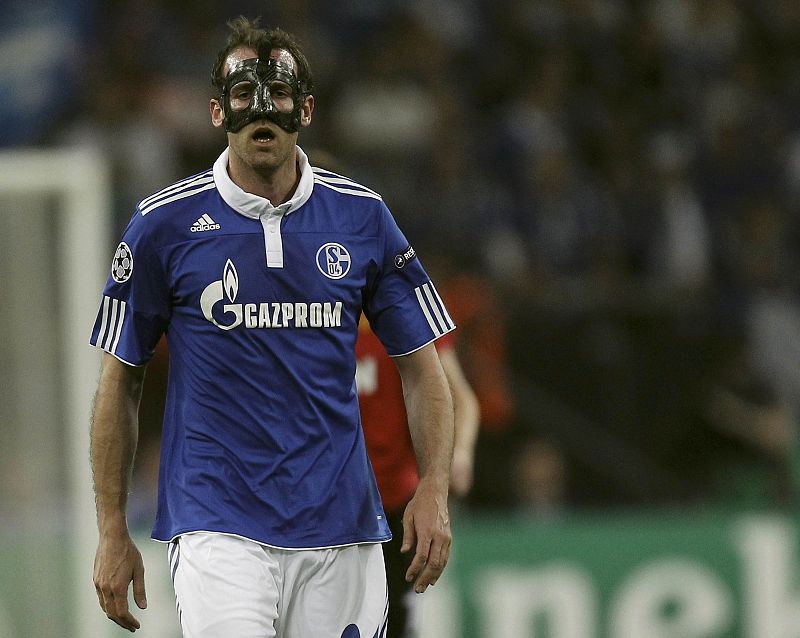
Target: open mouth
x: 263, y: 134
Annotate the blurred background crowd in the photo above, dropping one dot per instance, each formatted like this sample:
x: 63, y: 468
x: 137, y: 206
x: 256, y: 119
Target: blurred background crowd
x: 604, y: 191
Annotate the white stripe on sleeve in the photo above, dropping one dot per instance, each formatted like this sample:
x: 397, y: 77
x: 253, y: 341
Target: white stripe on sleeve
x: 435, y: 307
x: 112, y: 324
x: 112, y: 318
x: 431, y: 322
x: 120, y: 321
x: 449, y: 323
x: 103, y: 322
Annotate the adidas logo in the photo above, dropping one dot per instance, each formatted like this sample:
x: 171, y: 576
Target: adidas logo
x: 204, y: 223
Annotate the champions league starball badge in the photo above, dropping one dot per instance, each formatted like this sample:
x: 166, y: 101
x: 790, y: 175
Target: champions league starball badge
x: 122, y: 264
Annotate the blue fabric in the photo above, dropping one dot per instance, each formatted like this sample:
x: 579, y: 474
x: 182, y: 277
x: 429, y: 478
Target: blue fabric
x: 262, y: 434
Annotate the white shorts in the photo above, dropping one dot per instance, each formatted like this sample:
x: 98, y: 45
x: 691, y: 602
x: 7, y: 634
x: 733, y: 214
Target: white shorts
x: 231, y: 587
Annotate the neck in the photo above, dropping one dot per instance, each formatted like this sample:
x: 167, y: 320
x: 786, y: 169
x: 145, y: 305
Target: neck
x: 277, y: 184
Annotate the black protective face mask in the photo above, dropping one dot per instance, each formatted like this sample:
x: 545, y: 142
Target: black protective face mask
x: 258, y: 89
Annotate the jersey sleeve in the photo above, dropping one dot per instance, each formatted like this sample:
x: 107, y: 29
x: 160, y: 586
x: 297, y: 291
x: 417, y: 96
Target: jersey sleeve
x: 135, y: 307
x: 402, y: 305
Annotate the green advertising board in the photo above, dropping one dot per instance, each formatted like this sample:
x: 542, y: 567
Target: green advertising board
x: 658, y: 575
x: 621, y: 576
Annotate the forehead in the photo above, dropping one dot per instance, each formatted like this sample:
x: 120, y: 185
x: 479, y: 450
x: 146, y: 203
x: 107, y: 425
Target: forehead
x: 247, y: 53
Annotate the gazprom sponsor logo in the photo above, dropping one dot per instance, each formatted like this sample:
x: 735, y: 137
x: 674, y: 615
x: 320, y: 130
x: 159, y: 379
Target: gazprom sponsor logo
x: 324, y: 314
x: 264, y: 314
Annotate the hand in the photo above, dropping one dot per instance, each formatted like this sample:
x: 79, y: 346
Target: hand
x: 117, y: 563
x: 426, y: 528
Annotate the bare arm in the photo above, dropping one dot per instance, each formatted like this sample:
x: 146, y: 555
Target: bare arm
x: 426, y: 522
x: 114, y: 435
x: 467, y: 422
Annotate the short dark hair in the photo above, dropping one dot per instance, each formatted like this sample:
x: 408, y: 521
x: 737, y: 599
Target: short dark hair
x: 247, y: 33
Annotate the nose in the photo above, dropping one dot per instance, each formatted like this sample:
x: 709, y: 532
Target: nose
x: 265, y: 103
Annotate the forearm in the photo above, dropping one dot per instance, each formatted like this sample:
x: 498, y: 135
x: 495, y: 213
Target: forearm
x: 426, y: 521
x: 430, y: 414
x: 114, y: 435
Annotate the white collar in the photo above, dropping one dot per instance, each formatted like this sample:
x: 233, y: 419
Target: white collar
x: 255, y: 206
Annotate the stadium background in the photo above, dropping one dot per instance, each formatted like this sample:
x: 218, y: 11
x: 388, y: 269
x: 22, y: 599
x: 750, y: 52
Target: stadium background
x: 606, y: 193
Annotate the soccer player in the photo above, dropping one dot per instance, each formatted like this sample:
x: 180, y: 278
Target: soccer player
x: 391, y: 452
x: 258, y: 270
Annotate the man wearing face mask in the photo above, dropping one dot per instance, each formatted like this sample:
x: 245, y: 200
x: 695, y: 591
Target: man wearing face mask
x: 258, y: 270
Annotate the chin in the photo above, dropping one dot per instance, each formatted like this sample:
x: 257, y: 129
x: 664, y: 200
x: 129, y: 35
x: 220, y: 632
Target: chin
x: 266, y: 161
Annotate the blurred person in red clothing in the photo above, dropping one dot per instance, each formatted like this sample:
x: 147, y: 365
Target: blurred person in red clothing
x: 476, y: 309
x: 479, y: 311
x: 383, y: 416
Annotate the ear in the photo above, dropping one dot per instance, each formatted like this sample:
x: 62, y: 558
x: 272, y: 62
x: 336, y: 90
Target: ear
x: 308, y: 108
x: 217, y: 114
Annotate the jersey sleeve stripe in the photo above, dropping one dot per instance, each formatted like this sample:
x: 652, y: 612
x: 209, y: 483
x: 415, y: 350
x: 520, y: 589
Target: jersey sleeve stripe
x: 181, y: 195
x: 437, y: 331
x: 120, y: 321
x: 112, y: 324
x: 184, y: 183
x: 113, y: 316
x: 103, y: 322
x: 449, y: 323
x: 436, y: 307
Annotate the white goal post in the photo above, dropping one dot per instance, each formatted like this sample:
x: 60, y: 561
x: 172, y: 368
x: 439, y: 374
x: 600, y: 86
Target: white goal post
x: 79, y: 182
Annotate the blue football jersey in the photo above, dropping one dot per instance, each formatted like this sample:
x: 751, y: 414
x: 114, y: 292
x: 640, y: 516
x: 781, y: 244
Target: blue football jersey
x: 260, y: 306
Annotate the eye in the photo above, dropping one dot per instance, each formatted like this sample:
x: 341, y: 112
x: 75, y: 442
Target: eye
x: 242, y: 91
x: 280, y: 90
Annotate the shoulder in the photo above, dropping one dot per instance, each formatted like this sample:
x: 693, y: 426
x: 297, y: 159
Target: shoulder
x: 350, y: 207
x: 164, y: 212
x: 177, y: 193
x: 343, y: 187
